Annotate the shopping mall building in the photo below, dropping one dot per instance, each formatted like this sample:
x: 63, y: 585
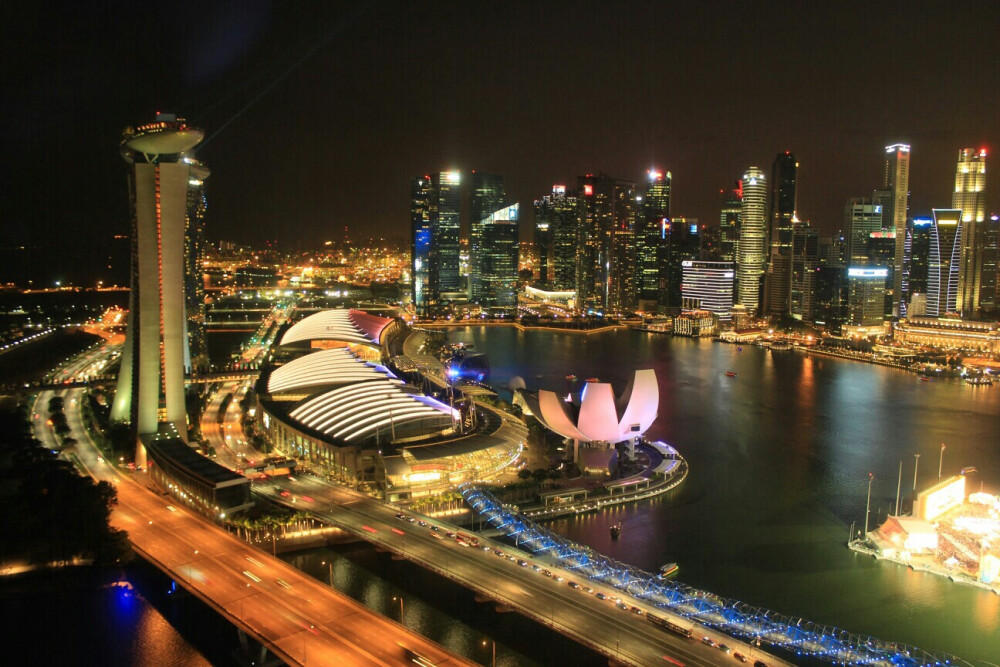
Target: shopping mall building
x: 336, y: 397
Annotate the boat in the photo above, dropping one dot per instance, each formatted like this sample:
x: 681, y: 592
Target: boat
x: 979, y: 379
x: 731, y: 374
x: 616, y: 530
x: 668, y: 570
x: 593, y: 380
x: 926, y: 378
x: 739, y: 348
x: 570, y: 377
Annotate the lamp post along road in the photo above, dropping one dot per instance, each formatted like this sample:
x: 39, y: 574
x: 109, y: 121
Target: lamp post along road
x: 868, y: 503
x: 941, y: 461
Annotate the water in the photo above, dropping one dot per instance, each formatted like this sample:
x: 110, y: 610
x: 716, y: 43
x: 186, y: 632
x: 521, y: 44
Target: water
x: 780, y: 456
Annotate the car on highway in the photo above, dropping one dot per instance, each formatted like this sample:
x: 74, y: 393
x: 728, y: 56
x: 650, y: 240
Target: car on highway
x: 400, y: 515
x: 759, y: 663
x: 708, y: 641
x: 573, y: 584
x: 635, y: 610
x: 559, y: 578
x: 725, y: 649
x: 600, y: 596
x: 284, y: 493
x: 536, y: 567
x: 522, y: 563
x: 435, y: 528
x: 436, y: 536
x: 448, y: 533
x: 422, y: 524
x: 498, y: 552
x: 740, y: 657
x: 547, y: 573
x: 588, y: 590
x: 621, y: 605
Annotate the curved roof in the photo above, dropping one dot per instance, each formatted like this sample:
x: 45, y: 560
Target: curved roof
x: 350, y: 326
x: 355, y: 412
x: 334, y: 366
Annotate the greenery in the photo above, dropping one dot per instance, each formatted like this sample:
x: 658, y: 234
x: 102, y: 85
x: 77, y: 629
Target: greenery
x: 50, y: 513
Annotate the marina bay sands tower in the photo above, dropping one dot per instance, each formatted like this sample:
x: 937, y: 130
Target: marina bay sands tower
x: 150, y: 393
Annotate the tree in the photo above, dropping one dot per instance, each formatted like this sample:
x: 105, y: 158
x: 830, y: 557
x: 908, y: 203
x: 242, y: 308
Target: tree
x: 540, y: 474
x: 524, y: 473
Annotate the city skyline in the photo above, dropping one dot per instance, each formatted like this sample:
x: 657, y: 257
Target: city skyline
x: 539, y: 111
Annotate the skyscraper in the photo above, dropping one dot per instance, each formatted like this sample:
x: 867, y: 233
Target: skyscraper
x: 194, y: 251
x: 784, y: 174
x: 555, y: 225
x: 498, y: 261
x: 915, y: 265
x: 970, y: 198
x: 486, y: 196
x: 652, y: 241
x: 435, y: 205
x: 621, y: 289
x: 862, y: 216
x: 805, y: 260
x: 943, y: 262
x: 151, y: 380
x: 729, y: 222
x: 708, y: 286
x: 751, y: 254
x: 897, y: 179
x: 684, y: 236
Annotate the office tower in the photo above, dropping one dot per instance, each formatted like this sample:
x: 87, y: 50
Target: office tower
x: 729, y: 222
x: 151, y: 380
x: 897, y: 179
x: 866, y: 295
x: 684, y: 236
x: 915, y: 264
x: 486, y: 196
x: 970, y: 198
x: 830, y: 300
x: 708, y: 286
x: 194, y: 252
x: 989, y: 291
x: 751, y: 253
x: 556, y: 222
x: 498, y: 261
x: 784, y: 173
x: 606, y: 205
x: 435, y: 203
x: 943, y: 263
x: 805, y: 260
x: 652, y: 241
x: 862, y: 216
x: 622, y: 288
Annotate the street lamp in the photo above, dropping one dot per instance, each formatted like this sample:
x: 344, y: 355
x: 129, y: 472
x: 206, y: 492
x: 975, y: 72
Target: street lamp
x: 330, y: 568
x: 868, y: 503
x: 941, y: 461
x: 494, y: 642
x: 400, y: 598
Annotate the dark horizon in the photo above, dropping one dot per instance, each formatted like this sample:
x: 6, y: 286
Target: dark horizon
x: 319, y: 118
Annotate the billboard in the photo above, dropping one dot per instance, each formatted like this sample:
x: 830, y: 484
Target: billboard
x: 940, y: 498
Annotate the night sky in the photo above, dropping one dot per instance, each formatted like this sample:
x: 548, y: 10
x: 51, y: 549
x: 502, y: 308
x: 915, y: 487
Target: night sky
x: 320, y: 113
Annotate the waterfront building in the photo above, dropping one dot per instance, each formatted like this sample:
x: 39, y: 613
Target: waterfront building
x: 556, y: 224
x: 970, y: 198
x: 950, y: 332
x: 708, y: 286
x: 653, y: 242
x: 696, y: 323
x: 684, y: 236
x: 435, y: 203
x: 751, y: 252
x: 594, y: 222
x: 784, y: 175
x: 943, y: 262
x: 621, y: 270
x: 730, y: 215
x: 897, y: 179
x: 497, y: 265
x: 989, y: 291
x: 831, y: 298
x: 916, y: 256
x: 866, y: 296
x: 151, y: 380
x: 592, y: 417
x: 805, y: 261
x: 486, y: 195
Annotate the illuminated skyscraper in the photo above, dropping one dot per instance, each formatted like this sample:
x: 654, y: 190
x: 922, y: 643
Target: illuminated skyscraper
x: 897, y: 179
x: 684, y: 237
x: 194, y: 282
x: 729, y: 222
x: 751, y: 254
x: 784, y: 175
x: 652, y: 241
x: 915, y: 264
x: 621, y: 269
x: 151, y: 380
x: 555, y: 235
x: 943, y: 263
x: 708, y: 286
x: 862, y: 216
x: 486, y: 196
x: 970, y: 198
x: 498, y: 262
x: 805, y: 260
x: 435, y: 205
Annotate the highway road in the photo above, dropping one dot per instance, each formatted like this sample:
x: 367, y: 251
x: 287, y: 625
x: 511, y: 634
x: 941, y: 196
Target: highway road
x: 304, y: 622
x: 621, y: 634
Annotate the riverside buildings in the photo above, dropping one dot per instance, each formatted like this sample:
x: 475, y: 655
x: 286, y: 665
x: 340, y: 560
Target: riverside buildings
x: 969, y: 197
x: 751, y: 252
x: 435, y: 206
x: 897, y: 182
x: 784, y: 174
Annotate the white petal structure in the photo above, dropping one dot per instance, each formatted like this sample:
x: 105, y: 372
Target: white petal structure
x: 350, y: 326
x: 600, y: 417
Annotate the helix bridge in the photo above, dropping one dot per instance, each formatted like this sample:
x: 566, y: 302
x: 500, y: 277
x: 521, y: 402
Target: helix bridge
x: 795, y: 637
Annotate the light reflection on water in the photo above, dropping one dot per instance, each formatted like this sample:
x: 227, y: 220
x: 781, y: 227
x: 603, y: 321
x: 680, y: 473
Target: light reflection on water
x: 779, y: 460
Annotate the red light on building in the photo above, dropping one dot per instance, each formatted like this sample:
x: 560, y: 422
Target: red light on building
x: 588, y: 189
